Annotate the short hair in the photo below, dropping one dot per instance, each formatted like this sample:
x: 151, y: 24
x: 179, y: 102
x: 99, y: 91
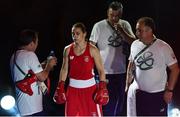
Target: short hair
x: 115, y: 5
x: 81, y: 26
x: 148, y: 21
x: 27, y: 36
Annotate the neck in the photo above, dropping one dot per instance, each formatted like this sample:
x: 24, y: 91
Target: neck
x: 28, y: 48
x: 149, y: 41
x: 81, y: 45
x: 111, y: 22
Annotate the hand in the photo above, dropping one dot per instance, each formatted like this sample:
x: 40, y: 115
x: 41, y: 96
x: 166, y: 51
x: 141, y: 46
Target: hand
x: 101, y: 96
x: 118, y: 27
x: 59, y: 96
x: 168, y: 96
x: 43, y: 64
x: 51, y: 63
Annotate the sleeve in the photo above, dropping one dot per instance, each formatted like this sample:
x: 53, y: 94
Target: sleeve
x: 169, y: 55
x: 95, y: 34
x: 128, y: 28
x: 34, y: 63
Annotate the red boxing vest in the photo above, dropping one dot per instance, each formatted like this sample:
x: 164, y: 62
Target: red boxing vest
x: 82, y: 66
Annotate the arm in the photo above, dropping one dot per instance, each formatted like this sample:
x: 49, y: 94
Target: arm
x: 173, y: 76
x: 64, y: 67
x: 42, y: 76
x: 59, y: 95
x: 98, y: 62
x: 126, y: 33
x: 129, y: 75
x: 101, y: 96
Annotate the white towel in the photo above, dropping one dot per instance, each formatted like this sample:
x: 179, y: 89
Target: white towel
x: 131, y: 100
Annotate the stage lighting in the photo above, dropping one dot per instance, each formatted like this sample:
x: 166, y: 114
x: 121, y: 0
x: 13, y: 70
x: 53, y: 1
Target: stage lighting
x: 175, y: 112
x: 7, y: 102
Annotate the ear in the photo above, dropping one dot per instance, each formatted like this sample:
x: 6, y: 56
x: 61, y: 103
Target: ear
x: 31, y: 44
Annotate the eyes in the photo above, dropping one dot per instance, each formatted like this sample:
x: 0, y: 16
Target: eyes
x: 75, y: 33
x: 142, y: 30
x: 114, y: 14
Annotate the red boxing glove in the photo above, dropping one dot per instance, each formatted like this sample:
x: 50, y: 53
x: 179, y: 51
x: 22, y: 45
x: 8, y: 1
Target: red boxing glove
x: 25, y: 84
x: 59, y: 96
x: 101, y: 96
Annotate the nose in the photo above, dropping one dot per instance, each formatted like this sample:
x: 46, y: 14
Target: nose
x: 137, y: 33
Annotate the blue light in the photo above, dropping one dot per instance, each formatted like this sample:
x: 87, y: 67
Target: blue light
x: 175, y: 112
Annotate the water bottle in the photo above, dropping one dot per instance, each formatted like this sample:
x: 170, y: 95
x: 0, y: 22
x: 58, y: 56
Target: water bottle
x: 51, y: 54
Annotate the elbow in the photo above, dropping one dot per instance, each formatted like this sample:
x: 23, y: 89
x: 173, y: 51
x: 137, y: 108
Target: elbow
x: 42, y: 79
x: 42, y: 76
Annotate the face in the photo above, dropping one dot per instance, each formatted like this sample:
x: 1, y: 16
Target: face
x: 114, y: 15
x: 143, y: 32
x: 77, y: 34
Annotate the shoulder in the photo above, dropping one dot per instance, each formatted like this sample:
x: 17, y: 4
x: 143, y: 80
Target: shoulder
x: 31, y: 53
x: 93, y: 49
x: 162, y: 43
x: 26, y: 54
x: 67, y: 49
x: 100, y: 23
x: 68, y: 46
x: 92, y: 46
x: 124, y: 22
x: 135, y: 42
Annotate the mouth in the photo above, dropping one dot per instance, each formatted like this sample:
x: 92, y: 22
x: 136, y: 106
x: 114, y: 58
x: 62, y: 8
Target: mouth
x: 74, y: 39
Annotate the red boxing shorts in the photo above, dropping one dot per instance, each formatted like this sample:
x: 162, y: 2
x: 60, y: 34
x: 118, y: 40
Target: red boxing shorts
x: 80, y: 101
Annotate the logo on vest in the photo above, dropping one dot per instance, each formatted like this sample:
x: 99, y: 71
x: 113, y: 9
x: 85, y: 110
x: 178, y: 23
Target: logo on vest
x: 71, y: 57
x: 86, y: 58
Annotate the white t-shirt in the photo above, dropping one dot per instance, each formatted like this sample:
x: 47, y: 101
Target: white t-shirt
x: 151, y: 75
x: 113, y: 58
x: 27, y: 60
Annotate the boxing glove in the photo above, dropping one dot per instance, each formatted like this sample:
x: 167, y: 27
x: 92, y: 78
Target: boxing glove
x: 59, y: 96
x: 25, y: 84
x: 102, y: 96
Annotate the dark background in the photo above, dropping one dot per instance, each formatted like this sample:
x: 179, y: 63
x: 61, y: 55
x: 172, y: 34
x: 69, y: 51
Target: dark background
x: 53, y: 20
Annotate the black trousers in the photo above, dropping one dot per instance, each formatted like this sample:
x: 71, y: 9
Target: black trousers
x: 150, y: 104
x: 116, y: 88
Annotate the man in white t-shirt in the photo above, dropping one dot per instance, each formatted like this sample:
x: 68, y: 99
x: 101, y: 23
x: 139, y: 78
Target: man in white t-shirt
x: 113, y: 37
x: 149, y: 58
x: 29, y: 101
